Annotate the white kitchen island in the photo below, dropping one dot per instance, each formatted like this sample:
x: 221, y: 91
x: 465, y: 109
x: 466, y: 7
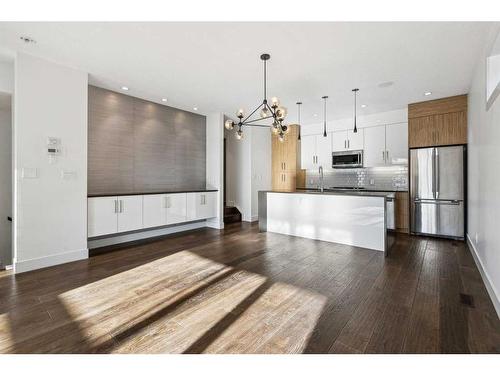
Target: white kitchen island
x: 356, y: 219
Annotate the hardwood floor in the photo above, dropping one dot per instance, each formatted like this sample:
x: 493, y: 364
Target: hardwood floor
x: 241, y: 291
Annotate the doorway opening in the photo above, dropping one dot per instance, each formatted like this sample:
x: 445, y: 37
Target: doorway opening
x: 5, y: 181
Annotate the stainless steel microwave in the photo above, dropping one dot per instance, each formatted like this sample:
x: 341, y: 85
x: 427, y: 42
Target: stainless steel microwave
x: 347, y: 159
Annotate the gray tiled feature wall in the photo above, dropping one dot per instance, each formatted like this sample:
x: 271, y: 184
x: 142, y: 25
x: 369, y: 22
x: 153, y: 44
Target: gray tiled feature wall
x: 139, y: 146
x: 376, y: 178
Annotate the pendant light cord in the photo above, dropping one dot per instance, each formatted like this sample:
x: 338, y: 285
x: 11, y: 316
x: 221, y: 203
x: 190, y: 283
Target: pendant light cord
x: 298, y: 110
x: 265, y: 80
x: 355, y: 109
x: 324, y: 113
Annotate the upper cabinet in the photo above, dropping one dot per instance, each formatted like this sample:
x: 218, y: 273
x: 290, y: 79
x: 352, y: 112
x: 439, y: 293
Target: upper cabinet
x: 438, y: 122
x: 396, y: 143
x: 374, y: 150
x: 345, y: 140
x: 383, y: 145
x: 386, y: 145
x: 308, y: 152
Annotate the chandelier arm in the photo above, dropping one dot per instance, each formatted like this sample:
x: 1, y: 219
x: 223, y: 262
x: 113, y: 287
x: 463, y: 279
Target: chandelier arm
x: 258, y: 125
x: 257, y: 119
x: 250, y: 115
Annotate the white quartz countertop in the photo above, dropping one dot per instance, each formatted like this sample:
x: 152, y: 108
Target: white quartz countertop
x: 382, y: 194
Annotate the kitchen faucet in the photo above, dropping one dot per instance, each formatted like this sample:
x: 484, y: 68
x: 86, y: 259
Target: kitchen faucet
x: 321, y: 184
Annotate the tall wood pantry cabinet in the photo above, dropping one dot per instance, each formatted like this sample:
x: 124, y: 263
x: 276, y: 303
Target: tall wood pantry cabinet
x: 286, y: 160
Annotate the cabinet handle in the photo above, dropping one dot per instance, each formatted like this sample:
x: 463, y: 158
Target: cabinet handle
x: 345, y: 143
x: 284, y: 166
x: 348, y: 143
x: 386, y: 156
x: 121, y: 206
x: 116, y: 206
x: 383, y: 156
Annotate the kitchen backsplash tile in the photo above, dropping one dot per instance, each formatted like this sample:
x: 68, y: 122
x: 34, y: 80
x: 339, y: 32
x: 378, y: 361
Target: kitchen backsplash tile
x: 377, y: 178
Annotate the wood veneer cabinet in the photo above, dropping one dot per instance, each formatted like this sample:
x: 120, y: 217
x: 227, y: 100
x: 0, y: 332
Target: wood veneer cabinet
x: 402, y: 222
x: 438, y: 122
x: 286, y: 160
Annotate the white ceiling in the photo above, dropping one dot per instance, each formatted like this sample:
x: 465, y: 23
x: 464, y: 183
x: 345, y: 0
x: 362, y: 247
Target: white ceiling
x: 216, y: 66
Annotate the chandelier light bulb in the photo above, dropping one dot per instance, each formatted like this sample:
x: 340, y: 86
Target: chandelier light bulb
x: 239, y: 134
x: 264, y: 112
x: 275, y: 102
x: 281, y: 113
x: 240, y: 113
x: 275, y: 130
x: 281, y: 137
x: 229, y: 124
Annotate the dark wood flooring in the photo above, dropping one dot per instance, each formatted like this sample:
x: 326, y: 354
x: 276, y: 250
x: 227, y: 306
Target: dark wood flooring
x: 241, y: 291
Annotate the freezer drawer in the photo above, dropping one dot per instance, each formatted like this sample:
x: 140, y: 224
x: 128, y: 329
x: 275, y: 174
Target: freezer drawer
x: 438, y: 217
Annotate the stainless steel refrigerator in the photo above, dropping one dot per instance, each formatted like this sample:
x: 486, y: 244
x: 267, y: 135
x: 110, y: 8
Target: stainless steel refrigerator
x: 437, y: 190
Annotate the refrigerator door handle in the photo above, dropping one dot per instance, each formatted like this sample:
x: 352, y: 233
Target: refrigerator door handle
x: 437, y: 173
x: 453, y: 202
x: 434, y: 173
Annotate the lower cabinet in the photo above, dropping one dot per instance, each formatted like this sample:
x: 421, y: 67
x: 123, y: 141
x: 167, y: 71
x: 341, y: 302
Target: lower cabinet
x: 110, y: 215
x: 129, y: 213
x: 201, y: 205
x: 102, y: 215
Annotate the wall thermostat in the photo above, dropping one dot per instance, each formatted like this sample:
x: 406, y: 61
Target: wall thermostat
x: 53, y: 146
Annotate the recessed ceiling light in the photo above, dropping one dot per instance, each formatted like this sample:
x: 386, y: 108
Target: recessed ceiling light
x: 195, y: 108
x: 164, y: 100
x: 363, y: 105
x: 385, y: 84
x: 125, y: 88
x: 315, y: 115
x: 427, y: 93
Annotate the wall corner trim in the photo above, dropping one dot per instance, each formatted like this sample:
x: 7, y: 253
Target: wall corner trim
x: 493, y: 293
x: 51, y: 260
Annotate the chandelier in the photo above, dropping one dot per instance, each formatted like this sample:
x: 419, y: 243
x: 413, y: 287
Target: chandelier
x: 268, y: 111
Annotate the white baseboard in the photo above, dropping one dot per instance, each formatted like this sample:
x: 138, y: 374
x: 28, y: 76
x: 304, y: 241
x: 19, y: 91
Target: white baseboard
x: 254, y: 218
x: 117, y: 239
x: 51, y: 260
x: 215, y: 223
x: 494, y: 295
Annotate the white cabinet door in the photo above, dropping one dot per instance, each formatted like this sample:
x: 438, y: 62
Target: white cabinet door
x: 102, y: 216
x: 176, y: 208
x: 129, y: 213
x: 339, y: 141
x: 201, y: 205
x: 308, y: 152
x: 396, y: 144
x: 154, y: 211
x: 374, y: 150
x: 355, y: 140
x: 324, y: 151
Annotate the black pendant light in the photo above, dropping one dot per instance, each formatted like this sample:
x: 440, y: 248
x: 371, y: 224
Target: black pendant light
x: 298, y: 117
x: 355, y: 93
x: 324, y: 124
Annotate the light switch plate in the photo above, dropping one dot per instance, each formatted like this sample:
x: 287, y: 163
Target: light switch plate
x: 29, y: 173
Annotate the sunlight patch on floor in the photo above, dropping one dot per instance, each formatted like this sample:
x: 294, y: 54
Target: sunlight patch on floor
x: 185, y: 302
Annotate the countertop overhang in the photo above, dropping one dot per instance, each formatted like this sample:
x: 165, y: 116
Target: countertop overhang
x: 150, y: 193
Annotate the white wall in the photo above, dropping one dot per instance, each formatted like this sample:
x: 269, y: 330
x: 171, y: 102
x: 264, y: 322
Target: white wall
x: 484, y: 181
x: 375, y: 119
x: 5, y: 185
x: 50, y: 212
x: 214, y: 161
x: 261, y: 166
x: 6, y: 77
